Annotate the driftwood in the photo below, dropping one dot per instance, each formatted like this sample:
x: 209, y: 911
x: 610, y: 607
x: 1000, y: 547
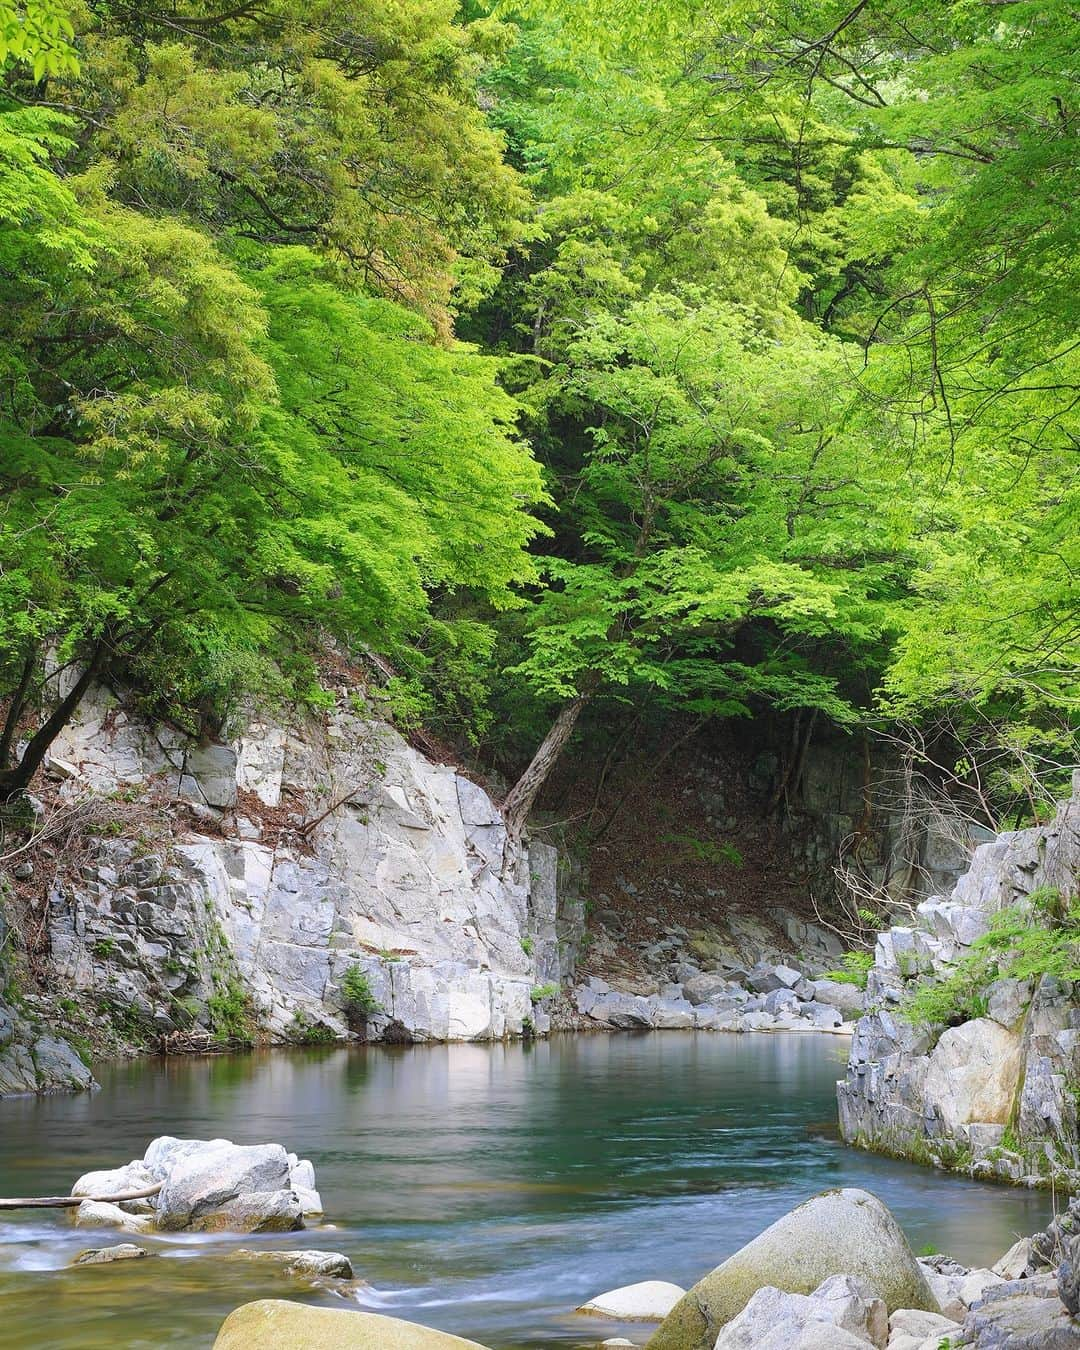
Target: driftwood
x: 69, y: 1201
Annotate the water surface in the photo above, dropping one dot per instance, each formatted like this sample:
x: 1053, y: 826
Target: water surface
x: 487, y: 1190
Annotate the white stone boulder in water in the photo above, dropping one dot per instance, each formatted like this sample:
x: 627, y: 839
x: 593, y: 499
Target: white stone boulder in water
x: 649, y: 1301
x: 841, y: 1314
x: 843, y: 1232
x: 206, y: 1185
x: 245, y: 1188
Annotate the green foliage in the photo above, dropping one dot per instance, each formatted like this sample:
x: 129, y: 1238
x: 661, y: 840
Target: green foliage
x: 768, y: 399
x: 1036, y: 938
x: 305, y: 1032
x: 542, y: 991
x: 229, y: 1012
x: 855, y: 969
x: 358, y: 998
x: 527, y: 946
x: 37, y: 34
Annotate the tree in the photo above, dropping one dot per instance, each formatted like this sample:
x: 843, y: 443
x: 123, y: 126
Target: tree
x: 205, y: 471
x: 728, y: 547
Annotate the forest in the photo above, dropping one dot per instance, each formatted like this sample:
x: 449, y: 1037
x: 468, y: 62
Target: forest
x: 563, y: 362
x: 539, y: 674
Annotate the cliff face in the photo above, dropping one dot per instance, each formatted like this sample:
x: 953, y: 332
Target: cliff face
x: 286, y: 859
x: 996, y: 1095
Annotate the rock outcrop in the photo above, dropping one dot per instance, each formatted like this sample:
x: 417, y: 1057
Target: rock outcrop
x: 996, y: 1095
x: 288, y: 858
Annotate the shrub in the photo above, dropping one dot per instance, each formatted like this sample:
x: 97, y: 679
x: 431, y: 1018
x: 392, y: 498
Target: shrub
x: 542, y: 991
x: 229, y: 1012
x: 855, y: 970
x: 1036, y: 938
x: 357, y: 997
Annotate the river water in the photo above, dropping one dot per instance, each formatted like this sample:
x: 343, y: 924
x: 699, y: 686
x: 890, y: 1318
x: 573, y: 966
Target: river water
x: 487, y: 1190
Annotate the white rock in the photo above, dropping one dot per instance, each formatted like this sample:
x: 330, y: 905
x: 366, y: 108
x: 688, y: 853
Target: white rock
x: 301, y: 1173
x: 1013, y: 1264
x: 973, y: 1074
x: 99, y: 1214
x: 649, y: 1301
x: 841, y: 1314
x: 228, y: 1181
x: 909, y: 1328
x: 310, y: 1200
x: 136, y: 1176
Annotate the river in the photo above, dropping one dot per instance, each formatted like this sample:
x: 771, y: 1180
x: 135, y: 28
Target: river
x: 487, y: 1190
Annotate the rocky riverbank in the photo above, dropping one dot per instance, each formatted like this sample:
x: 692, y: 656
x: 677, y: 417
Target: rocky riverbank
x: 835, y: 1274
x: 325, y: 880
x: 995, y: 1093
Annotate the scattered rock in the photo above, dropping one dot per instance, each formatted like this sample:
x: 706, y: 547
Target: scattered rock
x: 910, y: 1328
x: 274, y: 1324
x: 1015, y: 1261
x: 1021, y: 1315
x: 766, y: 978
x: 839, y: 1314
x: 328, y: 1265
x: 842, y: 1232
x: 704, y: 987
x: 849, y: 998
x: 104, y: 1256
x: 955, y: 1293
x: 649, y: 1301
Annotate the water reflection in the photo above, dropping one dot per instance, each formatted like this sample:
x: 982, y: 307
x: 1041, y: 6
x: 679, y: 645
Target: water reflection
x: 487, y: 1190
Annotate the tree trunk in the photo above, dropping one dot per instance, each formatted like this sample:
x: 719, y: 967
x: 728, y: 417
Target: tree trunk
x: 15, y: 781
x: 519, y: 800
x: 15, y: 708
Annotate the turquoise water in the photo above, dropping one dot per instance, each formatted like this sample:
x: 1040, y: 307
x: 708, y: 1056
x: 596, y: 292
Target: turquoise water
x: 485, y: 1190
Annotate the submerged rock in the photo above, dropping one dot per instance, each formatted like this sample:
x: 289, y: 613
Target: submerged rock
x: 104, y: 1256
x: 273, y: 1324
x: 329, y: 1265
x: 843, y: 1232
x: 649, y: 1301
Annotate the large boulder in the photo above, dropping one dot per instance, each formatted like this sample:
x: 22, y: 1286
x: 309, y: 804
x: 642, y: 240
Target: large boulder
x: 849, y: 998
x: 230, y: 1186
x: 843, y: 1232
x: 649, y: 1301
x: 704, y: 987
x: 973, y: 1074
x: 273, y: 1324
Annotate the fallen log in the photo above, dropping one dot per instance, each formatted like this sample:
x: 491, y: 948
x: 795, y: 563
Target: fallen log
x: 69, y: 1201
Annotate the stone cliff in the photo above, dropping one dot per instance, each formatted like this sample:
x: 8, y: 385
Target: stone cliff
x: 996, y: 1094
x: 285, y: 859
